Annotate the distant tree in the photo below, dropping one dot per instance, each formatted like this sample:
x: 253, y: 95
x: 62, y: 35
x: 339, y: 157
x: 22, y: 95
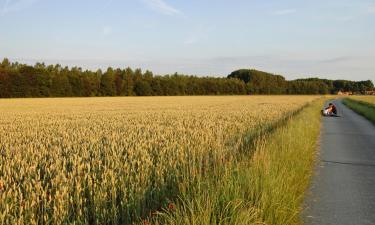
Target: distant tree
x: 61, y: 85
x: 107, y: 83
x: 5, y: 84
x: 156, y: 86
x: 148, y: 76
x: 137, y: 75
x: 119, y: 82
x: 258, y: 82
x: 44, y: 83
x: 40, y: 80
x: 142, y: 88
x: 5, y: 64
x: 128, y: 82
x: 75, y: 81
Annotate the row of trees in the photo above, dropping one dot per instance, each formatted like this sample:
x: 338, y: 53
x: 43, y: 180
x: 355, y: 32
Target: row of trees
x: 20, y: 80
x: 258, y: 82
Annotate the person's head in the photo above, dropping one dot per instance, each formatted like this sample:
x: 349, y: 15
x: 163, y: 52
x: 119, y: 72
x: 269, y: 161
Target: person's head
x: 330, y: 104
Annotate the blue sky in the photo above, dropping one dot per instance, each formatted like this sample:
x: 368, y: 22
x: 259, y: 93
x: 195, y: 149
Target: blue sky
x: 329, y: 39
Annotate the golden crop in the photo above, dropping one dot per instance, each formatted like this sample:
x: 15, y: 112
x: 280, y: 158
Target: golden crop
x: 370, y: 99
x: 106, y: 160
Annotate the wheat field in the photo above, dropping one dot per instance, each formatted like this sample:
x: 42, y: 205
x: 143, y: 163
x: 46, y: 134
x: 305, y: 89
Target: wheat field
x: 112, y: 160
x: 369, y: 99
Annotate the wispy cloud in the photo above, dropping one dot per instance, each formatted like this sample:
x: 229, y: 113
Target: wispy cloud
x: 284, y: 12
x: 162, y: 6
x: 16, y: 5
x: 339, y: 59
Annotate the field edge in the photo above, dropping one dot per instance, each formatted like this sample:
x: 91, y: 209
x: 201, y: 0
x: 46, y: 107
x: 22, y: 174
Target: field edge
x: 267, y: 187
x: 365, y: 109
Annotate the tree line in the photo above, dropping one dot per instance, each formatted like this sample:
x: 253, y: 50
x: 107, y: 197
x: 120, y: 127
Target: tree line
x: 40, y: 80
x: 20, y: 80
x: 258, y: 82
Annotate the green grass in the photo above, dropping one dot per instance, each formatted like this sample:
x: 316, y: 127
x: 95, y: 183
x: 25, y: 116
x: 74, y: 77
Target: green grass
x: 265, y: 186
x: 365, y: 109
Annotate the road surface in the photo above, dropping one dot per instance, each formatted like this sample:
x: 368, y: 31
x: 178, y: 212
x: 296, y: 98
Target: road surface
x: 343, y: 187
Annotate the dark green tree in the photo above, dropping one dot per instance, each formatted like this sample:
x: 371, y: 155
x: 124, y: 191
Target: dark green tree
x: 142, y: 88
x: 107, y: 83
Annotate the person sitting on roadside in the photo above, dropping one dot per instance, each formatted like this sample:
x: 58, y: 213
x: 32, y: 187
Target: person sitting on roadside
x: 331, y: 110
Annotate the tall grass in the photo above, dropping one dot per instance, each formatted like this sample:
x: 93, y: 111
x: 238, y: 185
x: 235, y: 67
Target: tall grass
x: 362, y: 107
x: 266, y: 187
x: 114, y: 160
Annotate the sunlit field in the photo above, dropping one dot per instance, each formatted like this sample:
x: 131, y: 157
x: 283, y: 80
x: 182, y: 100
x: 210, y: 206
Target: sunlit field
x: 114, y: 160
x: 369, y: 99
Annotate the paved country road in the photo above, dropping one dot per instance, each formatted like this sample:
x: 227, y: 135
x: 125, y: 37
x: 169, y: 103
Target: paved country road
x: 343, y: 187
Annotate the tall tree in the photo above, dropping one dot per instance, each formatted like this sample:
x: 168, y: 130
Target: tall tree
x: 107, y: 83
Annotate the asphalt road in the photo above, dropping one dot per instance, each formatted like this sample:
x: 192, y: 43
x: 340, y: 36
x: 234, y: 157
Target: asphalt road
x: 343, y: 187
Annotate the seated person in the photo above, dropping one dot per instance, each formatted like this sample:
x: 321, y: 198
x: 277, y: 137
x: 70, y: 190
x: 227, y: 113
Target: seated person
x: 331, y: 110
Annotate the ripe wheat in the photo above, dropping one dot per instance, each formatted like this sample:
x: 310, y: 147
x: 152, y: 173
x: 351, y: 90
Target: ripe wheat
x: 108, y: 160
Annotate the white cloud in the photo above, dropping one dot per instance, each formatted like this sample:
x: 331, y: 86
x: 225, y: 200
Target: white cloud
x: 284, y: 12
x: 162, y: 7
x: 16, y: 5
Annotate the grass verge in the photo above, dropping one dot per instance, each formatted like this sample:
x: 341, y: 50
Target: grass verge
x: 265, y: 187
x: 363, y: 108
